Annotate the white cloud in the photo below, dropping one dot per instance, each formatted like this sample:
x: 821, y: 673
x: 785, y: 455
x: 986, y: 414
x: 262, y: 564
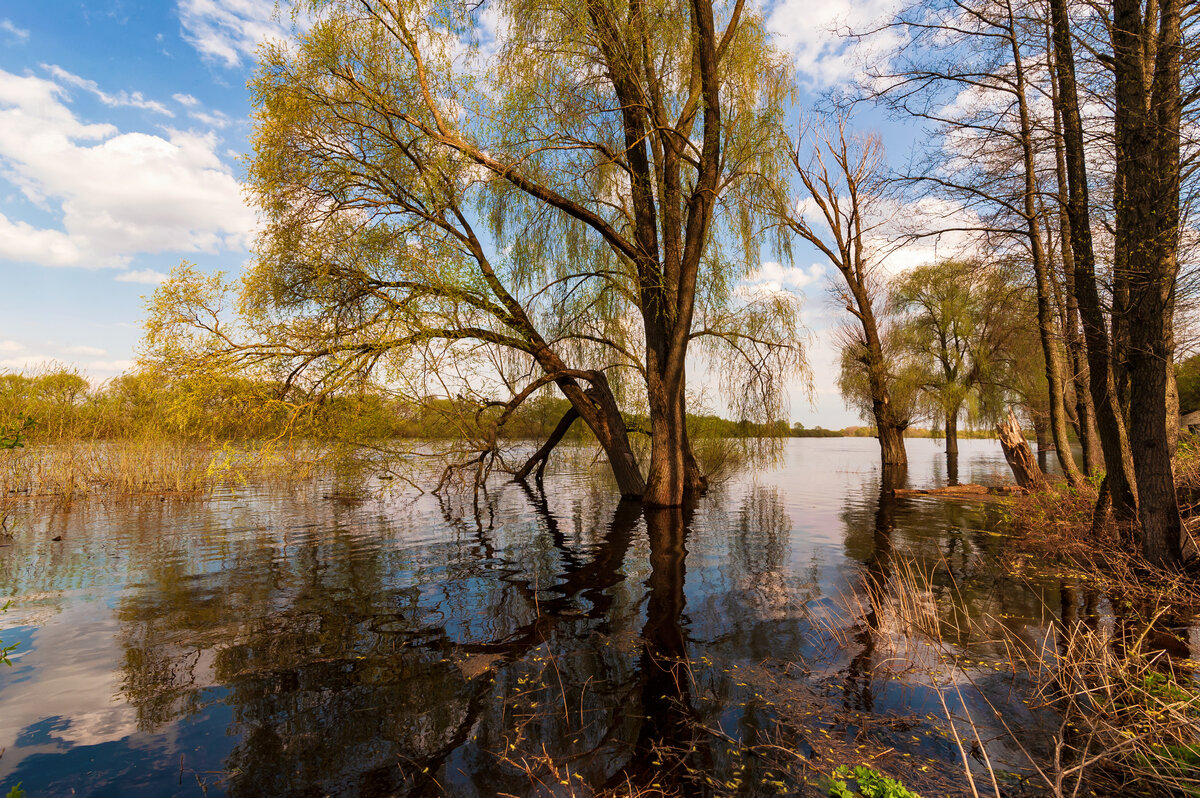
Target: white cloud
x: 227, y: 30
x: 20, y: 34
x: 774, y: 277
x: 147, y: 276
x: 84, y: 350
x: 813, y: 31
x: 25, y: 243
x: 10, y: 346
x: 120, y: 100
x: 119, y: 194
x: 107, y: 368
x: 186, y: 100
x: 216, y: 119
x: 30, y: 363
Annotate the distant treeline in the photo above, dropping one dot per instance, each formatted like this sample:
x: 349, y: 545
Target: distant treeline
x: 64, y: 405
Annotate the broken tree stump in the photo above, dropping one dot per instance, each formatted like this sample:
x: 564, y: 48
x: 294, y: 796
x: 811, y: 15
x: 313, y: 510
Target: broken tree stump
x: 1018, y: 454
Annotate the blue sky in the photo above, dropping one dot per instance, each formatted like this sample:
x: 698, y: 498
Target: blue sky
x: 123, y: 126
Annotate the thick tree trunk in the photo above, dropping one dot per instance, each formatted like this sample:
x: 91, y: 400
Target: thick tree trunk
x: 952, y: 431
x: 891, y: 445
x: 598, y: 408
x: 1147, y: 125
x: 1018, y: 454
x: 669, y: 450
x: 890, y: 427
x: 1110, y: 424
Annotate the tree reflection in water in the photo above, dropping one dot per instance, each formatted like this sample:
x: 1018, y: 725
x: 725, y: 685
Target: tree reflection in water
x: 495, y: 642
x: 859, y: 693
x: 343, y: 680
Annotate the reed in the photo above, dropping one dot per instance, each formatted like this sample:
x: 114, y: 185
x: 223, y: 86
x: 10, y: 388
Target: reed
x: 1125, y: 693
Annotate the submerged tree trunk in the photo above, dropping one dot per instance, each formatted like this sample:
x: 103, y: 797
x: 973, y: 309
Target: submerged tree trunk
x: 952, y: 431
x: 669, y: 451
x: 598, y: 408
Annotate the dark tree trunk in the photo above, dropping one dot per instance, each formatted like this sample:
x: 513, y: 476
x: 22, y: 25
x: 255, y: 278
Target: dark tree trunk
x: 1109, y: 421
x: 952, y: 431
x: 1147, y: 126
x: 1085, y: 411
x: 598, y: 408
x: 669, y: 452
x: 541, y: 457
x: 1041, y: 434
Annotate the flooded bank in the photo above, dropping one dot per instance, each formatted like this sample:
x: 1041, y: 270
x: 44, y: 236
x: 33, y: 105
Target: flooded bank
x: 511, y: 642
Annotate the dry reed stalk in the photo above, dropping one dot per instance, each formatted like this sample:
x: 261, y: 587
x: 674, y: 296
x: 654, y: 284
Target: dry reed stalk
x: 1129, y: 712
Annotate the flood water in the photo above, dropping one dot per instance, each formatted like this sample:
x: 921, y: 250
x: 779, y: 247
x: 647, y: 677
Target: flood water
x: 294, y: 644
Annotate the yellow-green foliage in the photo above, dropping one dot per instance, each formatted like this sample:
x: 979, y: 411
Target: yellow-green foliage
x: 214, y: 409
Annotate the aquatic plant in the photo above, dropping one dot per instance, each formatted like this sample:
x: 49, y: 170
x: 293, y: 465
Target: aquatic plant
x: 868, y: 783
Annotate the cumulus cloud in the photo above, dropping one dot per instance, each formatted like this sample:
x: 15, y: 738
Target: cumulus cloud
x: 813, y: 31
x: 146, y: 276
x: 774, y: 277
x: 118, y: 194
x: 226, y: 31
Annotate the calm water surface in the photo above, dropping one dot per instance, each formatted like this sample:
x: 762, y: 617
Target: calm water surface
x: 266, y: 644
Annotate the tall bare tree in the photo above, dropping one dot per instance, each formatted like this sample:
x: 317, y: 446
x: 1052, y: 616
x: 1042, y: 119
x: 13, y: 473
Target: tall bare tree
x: 842, y: 181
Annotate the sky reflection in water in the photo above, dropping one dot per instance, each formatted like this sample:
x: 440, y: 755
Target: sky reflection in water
x: 297, y: 645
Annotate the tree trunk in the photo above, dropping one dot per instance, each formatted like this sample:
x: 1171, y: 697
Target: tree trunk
x: 598, y: 408
x: 1085, y: 410
x: 1017, y: 453
x: 1147, y: 237
x: 1058, y: 424
x: 1041, y: 433
x: 669, y: 450
x: 952, y: 431
x: 890, y: 427
x: 541, y: 457
x: 1109, y: 421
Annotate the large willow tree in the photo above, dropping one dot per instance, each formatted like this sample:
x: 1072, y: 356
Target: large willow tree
x: 560, y: 196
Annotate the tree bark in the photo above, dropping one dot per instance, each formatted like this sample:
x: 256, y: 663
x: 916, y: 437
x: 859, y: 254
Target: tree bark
x: 1058, y: 424
x: 598, y: 408
x: 1018, y: 454
x: 1148, y: 142
x: 1102, y: 386
x: 952, y: 431
x: 1085, y: 410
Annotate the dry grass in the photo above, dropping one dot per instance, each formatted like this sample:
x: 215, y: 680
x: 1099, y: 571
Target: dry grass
x: 1128, y: 710
x: 72, y: 470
